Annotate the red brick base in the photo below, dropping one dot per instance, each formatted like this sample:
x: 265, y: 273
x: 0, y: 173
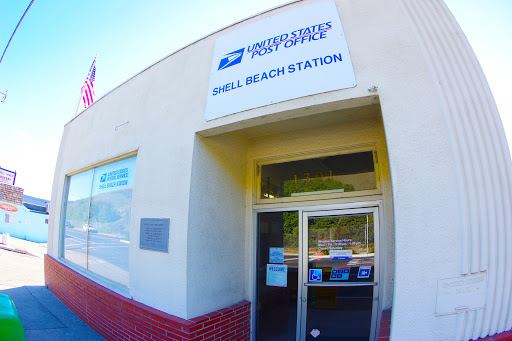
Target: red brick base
x: 385, y: 325
x: 118, y: 318
x: 505, y: 336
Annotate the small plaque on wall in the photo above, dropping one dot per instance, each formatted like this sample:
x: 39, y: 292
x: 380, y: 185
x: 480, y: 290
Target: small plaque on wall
x: 154, y: 234
x: 458, y: 294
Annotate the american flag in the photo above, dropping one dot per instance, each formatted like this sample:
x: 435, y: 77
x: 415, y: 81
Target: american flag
x: 88, y: 87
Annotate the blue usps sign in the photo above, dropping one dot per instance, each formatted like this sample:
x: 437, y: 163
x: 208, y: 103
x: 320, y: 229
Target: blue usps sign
x: 315, y: 275
x: 364, y: 272
x: 340, y: 274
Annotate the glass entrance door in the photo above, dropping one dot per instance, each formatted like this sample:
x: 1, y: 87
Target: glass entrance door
x: 340, y: 281
x: 277, y: 276
x: 317, y: 275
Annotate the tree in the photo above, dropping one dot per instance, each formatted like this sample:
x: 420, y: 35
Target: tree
x: 314, y: 185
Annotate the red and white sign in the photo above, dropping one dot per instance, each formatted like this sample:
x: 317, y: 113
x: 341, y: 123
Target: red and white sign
x: 9, y: 208
x: 7, y: 177
x: 318, y: 254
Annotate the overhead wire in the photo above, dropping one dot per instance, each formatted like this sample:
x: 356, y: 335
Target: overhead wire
x: 12, y: 35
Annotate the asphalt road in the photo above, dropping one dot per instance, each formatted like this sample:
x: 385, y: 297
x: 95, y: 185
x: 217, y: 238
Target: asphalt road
x: 109, y: 248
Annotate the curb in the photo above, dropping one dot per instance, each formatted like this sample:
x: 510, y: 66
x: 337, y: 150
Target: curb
x: 22, y: 251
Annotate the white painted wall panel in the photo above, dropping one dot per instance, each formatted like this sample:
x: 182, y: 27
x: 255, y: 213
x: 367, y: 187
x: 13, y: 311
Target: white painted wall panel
x: 481, y: 157
x: 217, y: 252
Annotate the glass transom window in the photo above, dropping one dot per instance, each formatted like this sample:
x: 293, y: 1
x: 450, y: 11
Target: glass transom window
x: 97, y: 225
x: 322, y: 175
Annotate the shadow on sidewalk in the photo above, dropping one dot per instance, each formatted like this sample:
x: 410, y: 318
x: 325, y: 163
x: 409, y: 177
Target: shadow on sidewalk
x: 44, y: 317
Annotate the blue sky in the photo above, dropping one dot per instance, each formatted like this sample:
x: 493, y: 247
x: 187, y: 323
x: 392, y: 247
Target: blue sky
x: 51, y: 53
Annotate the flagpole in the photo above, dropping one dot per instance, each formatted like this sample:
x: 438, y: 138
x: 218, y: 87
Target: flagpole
x: 77, y: 104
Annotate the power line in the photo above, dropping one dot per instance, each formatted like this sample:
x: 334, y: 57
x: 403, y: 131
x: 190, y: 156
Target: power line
x: 16, y: 30
x: 3, y: 96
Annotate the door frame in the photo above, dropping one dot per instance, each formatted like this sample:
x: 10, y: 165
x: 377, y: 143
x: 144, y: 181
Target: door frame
x: 317, y: 209
x: 305, y: 249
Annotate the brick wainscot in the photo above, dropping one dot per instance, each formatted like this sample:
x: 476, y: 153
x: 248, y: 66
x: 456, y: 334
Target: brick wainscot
x: 116, y: 317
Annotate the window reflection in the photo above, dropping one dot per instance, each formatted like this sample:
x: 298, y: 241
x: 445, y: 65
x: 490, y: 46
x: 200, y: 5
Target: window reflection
x: 342, y: 243
x: 323, y: 175
x: 97, y: 234
x: 343, y: 249
x: 276, y: 317
x: 77, y: 217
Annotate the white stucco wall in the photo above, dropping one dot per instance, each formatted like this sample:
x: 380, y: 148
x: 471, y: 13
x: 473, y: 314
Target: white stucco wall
x: 448, y: 161
x: 216, y: 233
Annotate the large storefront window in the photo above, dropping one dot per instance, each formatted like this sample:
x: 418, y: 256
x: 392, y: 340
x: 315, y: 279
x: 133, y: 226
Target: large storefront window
x: 97, y: 227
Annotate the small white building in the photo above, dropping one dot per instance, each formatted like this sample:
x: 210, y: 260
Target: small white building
x: 332, y: 169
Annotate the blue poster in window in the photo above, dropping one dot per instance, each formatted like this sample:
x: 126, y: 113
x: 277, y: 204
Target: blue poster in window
x: 340, y: 274
x: 276, y: 255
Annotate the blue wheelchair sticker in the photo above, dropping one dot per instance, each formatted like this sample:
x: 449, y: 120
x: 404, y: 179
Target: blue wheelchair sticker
x: 315, y: 275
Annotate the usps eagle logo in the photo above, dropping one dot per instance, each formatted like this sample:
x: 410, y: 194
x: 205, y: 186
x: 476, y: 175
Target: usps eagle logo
x: 231, y: 59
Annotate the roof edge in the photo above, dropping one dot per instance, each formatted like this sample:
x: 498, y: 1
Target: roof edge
x: 182, y: 48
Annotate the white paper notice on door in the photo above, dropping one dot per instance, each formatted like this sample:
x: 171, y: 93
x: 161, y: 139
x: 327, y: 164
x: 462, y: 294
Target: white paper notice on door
x: 277, y: 275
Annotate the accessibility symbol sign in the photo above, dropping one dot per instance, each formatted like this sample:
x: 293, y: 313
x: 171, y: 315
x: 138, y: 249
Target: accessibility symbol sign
x: 315, y: 275
x: 364, y: 272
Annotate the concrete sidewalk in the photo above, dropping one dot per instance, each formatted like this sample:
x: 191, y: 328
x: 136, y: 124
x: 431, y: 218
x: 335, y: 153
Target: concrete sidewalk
x: 43, y: 316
